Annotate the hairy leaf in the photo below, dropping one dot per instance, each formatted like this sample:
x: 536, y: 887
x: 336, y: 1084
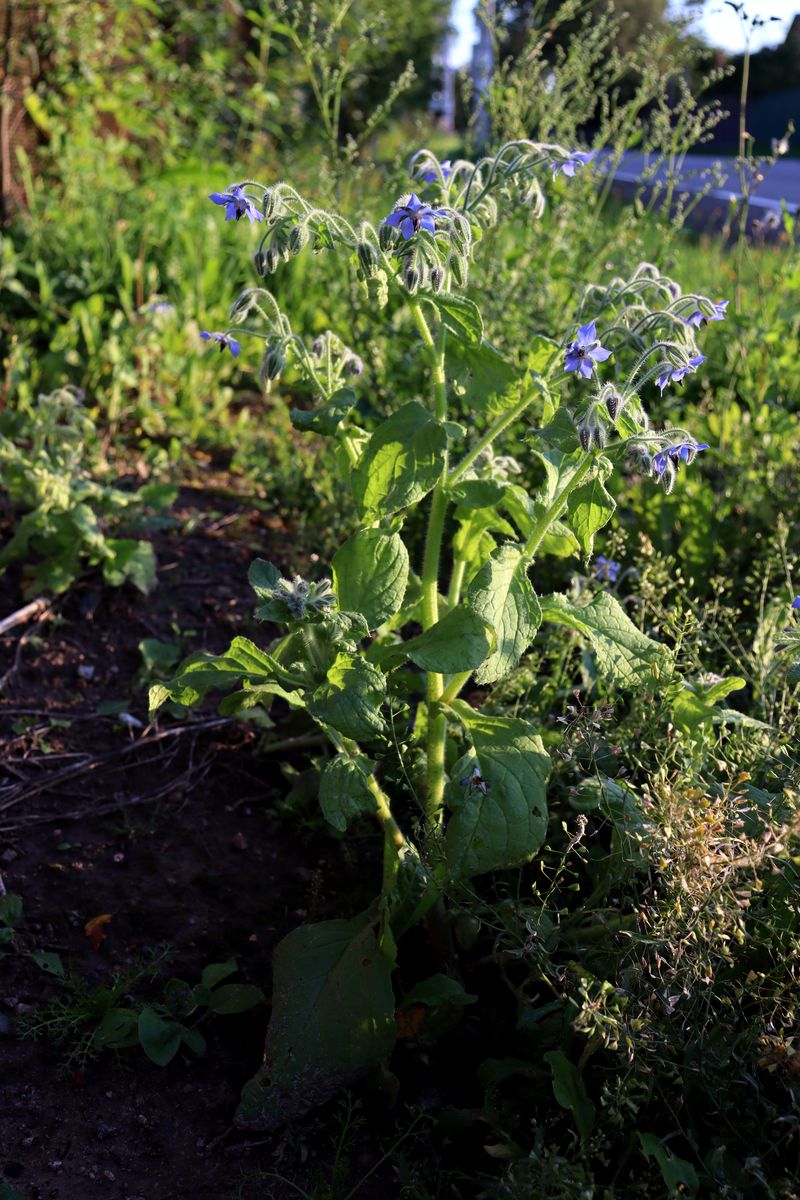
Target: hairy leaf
x: 351, y: 697
x: 626, y: 657
x: 503, y: 596
x: 500, y: 819
x: 332, y: 1020
x: 344, y: 791
x: 401, y: 462
x: 370, y: 574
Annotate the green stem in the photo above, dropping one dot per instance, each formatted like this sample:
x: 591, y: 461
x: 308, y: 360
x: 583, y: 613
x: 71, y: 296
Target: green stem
x: 550, y: 514
x: 499, y: 426
x: 437, y: 722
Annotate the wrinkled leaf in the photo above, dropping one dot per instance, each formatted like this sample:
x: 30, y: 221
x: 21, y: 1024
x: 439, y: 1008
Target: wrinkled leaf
x: 503, y: 821
x: 401, y: 463
x: 626, y: 657
x: 502, y: 595
x: 370, y: 574
x: 460, y: 641
x: 332, y: 1020
x: 590, y: 507
x: 351, y: 697
x: 344, y: 791
x: 326, y: 418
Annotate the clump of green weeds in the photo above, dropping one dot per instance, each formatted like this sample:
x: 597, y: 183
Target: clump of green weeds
x: 82, y: 1021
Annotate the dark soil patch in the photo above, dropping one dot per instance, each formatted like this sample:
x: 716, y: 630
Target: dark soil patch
x: 178, y: 839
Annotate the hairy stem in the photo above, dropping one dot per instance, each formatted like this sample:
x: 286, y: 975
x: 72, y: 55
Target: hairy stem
x: 437, y: 723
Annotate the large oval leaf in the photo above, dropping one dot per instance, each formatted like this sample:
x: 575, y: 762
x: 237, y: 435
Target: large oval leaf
x: 401, y: 462
x: 332, y: 1020
x: 499, y: 817
x: 370, y: 574
x: 503, y: 596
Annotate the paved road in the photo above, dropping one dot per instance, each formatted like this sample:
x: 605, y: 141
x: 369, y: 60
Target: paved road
x: 781, y: 184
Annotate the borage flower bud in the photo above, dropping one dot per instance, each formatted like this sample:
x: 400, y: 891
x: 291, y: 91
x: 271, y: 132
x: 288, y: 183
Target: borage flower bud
x: 387, y: 237
x: 612, y: 400
x: 411, y: 276
x: 318, y: 346
x: 270, y: 203
x: 437, y: 278
x: 298, y: 239
x: 459, y: 269
x: 274, y: 362
x: 368, y: 259
x: 353, y: 365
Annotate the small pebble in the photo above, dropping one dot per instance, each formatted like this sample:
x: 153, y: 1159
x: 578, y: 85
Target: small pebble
x: 239, y: 841
x: 85, y: 671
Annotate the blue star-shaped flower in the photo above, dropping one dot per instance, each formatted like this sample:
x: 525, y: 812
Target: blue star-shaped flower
x: 237, y: 205
x: 606, y: 569
x: 680, y: 452
x: 414, y: 215
x: 585, y: 351
x: 676, y: 374
x: 225, y: 341
x: 578, y: 158
x: 698, y: 318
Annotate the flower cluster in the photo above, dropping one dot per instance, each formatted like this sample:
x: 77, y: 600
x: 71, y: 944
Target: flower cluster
x: 298, y: 595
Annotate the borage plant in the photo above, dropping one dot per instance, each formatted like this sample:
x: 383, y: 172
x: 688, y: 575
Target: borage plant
x: 378, y: 655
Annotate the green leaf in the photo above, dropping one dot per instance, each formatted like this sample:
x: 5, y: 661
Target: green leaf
x: 459, y: 642
x: 477, y: 493
x: 234, y: 998
x: 502, y: 595
x: 626, y: 657
x: 118, y: 1029
x: 48, y: 961
x: 678, y: 1174
x: 202, y: 673
x: 590, y: 507
x: 462, y: 317
x: 332, y: 1020
x: 327, y: 417
x: 159, y: 1039
x: 542, y: 352
x: 503, y: 822
x: 401, y: 463
x: 694, y: 704
x: 570, y: 1092
x: 482, y: 375
x: 370, y: 574
x: 415, y: 891
x: 344, y: 791
x: 194, y: 1039
x: 436, y: 991
x: 263, y: 578
x: 10, y: 909
x: 214, y: 973
x: 351, y: 698
x: 131, y: 560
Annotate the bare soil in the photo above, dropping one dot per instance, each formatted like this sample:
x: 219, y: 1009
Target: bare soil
x: 181, y: 838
